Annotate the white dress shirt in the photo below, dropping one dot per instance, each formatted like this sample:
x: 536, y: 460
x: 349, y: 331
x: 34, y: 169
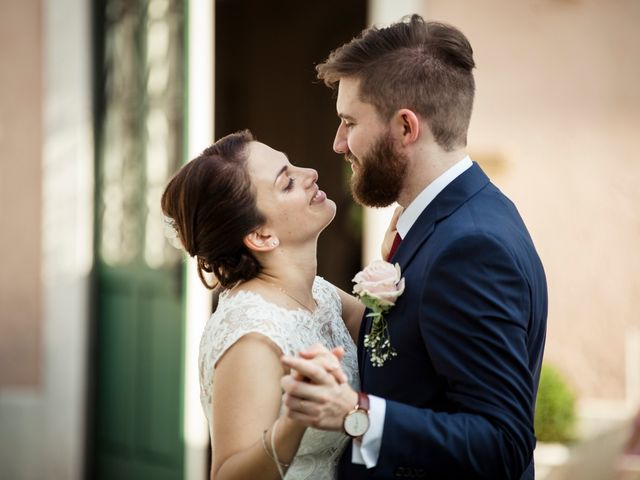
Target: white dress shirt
x: 366, y: 452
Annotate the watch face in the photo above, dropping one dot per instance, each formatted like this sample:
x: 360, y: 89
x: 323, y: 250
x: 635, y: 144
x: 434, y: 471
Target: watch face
x: 356, y: 423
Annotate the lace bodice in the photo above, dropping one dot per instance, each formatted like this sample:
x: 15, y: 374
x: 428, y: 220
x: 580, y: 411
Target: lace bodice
x: 291, y: 330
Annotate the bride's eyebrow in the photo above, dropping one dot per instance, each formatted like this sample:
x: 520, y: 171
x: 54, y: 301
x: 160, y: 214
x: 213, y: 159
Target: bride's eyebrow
x: 280, y: 172
x: 283, y: 169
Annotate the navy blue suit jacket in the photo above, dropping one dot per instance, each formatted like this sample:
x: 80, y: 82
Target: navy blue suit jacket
x: 469, y: 332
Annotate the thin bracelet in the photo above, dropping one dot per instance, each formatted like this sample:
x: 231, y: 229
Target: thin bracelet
x: 266, y: 449
x: 264, y: 445
x: 273, y: 449
x: 269, y: 454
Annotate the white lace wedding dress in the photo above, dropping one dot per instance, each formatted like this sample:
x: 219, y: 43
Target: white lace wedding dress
x: 292, y: 330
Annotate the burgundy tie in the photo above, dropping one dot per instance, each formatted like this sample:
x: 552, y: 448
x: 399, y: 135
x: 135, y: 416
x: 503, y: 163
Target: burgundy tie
x: 394, y: 247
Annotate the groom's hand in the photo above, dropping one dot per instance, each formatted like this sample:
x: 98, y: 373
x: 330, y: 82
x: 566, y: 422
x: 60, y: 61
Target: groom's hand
x: 320, y: 400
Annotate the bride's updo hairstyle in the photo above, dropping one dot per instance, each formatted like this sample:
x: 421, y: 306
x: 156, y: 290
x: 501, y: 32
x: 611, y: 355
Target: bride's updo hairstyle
x: 212, y: 204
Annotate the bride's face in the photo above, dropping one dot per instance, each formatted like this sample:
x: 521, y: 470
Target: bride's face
x: 288, y: 196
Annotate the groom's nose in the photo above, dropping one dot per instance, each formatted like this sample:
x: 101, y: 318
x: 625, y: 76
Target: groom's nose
x: 340, y: 142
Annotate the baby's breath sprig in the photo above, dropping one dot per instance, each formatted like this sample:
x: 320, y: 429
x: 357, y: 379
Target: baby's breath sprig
x: 378, y: 341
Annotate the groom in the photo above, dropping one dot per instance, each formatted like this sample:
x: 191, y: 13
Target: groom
x: 457, y: 402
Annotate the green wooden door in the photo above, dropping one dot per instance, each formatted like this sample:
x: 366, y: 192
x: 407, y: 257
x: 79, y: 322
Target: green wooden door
x: 139, y: 300
x: 138, y: 373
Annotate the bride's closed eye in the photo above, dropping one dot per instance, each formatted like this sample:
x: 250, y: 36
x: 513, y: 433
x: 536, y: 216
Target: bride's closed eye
x: 290, y: 185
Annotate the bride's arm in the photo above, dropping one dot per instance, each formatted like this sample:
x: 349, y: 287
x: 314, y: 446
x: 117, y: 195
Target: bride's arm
x: 352, y: 311
x: 246, y: 402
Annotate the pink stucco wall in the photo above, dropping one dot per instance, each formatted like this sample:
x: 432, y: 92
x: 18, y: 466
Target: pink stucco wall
x: 20, y: 193
x: 558, y: 109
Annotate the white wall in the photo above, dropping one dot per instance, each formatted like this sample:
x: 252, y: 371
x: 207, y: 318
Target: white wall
x: 68, y: 182
x: 200, y: 26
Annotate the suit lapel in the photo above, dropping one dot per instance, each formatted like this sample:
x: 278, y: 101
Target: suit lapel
x: 446, y: 202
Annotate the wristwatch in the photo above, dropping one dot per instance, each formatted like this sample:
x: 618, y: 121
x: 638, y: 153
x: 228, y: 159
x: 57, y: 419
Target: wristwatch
x: 356, y: 422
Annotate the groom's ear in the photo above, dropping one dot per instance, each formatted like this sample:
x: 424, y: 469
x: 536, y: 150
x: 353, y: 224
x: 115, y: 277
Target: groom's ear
x: 261, y: 241
x: 407, y: 125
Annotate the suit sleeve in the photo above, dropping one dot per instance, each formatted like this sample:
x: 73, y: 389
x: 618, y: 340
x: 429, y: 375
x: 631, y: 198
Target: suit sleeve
x: 474, y: 314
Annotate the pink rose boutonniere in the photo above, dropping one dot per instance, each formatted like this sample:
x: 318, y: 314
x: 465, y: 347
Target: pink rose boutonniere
x: 378, y: 287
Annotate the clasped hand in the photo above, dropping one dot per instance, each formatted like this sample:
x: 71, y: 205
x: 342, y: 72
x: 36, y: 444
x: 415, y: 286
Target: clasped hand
x: 317, y: 393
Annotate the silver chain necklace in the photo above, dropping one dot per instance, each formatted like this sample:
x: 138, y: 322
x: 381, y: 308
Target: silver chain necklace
x: 291, y: 296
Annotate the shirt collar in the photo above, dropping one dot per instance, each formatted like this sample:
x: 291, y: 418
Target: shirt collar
x: 424, y: 198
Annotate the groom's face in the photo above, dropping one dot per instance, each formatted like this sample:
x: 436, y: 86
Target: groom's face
x: 379, y: 180
x: 367, y: 143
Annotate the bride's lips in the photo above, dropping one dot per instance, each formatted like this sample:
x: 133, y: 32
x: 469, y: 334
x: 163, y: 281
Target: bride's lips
x: 319, y: 196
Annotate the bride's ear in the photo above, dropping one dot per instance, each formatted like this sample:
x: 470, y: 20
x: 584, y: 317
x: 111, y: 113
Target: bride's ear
x: 261, y: 241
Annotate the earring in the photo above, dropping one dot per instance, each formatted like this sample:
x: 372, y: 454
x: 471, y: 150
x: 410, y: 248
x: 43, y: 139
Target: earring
x: 274, y: 242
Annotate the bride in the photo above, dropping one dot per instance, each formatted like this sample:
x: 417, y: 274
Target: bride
x: 253, y: 220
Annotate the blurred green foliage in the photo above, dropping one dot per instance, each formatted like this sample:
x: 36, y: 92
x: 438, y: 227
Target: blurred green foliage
x: 555, y: 417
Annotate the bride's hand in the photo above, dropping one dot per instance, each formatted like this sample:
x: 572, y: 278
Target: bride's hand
x: 327, y: 359
x: 390, y: 234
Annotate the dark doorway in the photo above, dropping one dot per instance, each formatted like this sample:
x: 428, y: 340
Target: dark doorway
x: 266, y: 54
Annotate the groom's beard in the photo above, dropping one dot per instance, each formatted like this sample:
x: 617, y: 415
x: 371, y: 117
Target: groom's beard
x: 379, y: 177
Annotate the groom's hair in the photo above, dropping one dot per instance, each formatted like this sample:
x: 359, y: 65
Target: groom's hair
x: 423, y: 66
x: 211, y: 202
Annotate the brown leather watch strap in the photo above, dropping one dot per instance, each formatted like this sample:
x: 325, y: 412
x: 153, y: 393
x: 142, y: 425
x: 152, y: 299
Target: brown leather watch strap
x: 363, y: 401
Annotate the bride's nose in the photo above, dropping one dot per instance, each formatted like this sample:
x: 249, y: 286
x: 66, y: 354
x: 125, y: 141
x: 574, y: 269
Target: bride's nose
x: 312, y: 176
